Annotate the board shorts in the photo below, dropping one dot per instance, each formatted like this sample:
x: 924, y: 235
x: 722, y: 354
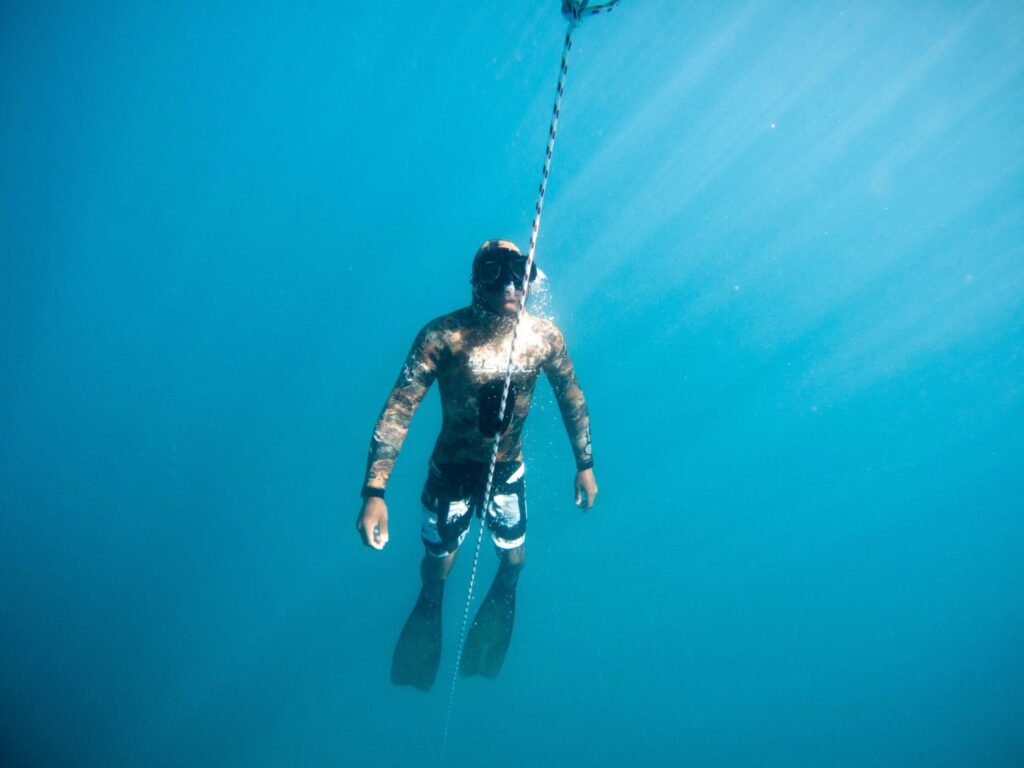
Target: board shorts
x: 453, y: 494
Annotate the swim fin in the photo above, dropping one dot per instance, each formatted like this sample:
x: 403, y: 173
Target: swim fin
x: 489, y: 637
x: 418, y: 650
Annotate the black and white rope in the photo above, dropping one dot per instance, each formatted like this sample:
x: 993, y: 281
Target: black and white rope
x: 574, y: 10
x: 577, y: 9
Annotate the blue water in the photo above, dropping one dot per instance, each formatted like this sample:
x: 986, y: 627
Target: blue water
x: 785, y: 243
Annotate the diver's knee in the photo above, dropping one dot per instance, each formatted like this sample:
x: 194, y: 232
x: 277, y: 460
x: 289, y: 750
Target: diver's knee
x: 513, y: 558
x: 512, y: 561
x: 436, y: 569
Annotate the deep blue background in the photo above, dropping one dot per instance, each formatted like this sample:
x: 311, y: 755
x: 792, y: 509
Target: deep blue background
x: 785, y: 243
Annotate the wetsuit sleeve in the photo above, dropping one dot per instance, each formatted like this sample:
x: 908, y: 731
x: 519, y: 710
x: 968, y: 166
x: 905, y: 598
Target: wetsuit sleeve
x: 562, y: 375
x: 415, y: 378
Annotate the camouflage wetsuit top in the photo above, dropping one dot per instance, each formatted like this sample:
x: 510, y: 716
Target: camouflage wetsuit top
x: 467, y: 352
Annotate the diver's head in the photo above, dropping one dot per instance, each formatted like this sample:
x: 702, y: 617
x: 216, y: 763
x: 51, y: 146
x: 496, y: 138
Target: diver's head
x: 499, y: 270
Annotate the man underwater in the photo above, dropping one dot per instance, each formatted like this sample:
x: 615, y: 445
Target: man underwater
x: 467, y: 352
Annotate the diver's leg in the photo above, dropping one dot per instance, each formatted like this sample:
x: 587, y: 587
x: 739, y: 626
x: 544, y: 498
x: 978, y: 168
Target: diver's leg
x: 418, y: 650
x: 433, y: 572
x: 444, y: 523
x: 489, y: 637
x: 491, y: 633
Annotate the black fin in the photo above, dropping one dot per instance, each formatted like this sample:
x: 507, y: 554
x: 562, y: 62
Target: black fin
x: 489, y: 637
x: 418, y: 651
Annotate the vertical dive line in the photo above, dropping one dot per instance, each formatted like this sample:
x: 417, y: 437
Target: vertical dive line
x: 485, y: 509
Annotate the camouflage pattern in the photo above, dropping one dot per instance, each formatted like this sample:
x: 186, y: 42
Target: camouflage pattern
x: 464, y: 351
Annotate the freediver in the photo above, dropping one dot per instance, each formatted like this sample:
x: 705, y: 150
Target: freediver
x: 467, y: 352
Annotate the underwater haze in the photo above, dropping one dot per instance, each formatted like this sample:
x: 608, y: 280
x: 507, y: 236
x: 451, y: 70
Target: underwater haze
x: 785, y: 244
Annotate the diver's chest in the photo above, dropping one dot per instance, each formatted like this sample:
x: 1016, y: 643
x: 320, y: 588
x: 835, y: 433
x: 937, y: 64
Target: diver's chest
x: 486, y: 362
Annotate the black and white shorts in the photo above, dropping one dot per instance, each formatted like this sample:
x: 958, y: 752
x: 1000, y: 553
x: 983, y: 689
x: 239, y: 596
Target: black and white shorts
x: 453, y: 494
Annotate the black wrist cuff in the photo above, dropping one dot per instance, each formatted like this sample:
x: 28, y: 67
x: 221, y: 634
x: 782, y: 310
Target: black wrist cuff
x: 588, y: 464
x: 369, y: 492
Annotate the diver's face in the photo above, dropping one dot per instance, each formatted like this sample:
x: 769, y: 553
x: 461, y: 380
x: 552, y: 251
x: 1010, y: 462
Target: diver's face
x: 503, y: 300
x: 500, y: 275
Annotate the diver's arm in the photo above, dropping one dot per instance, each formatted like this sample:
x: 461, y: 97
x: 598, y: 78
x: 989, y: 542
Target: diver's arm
x: 573, y: 407
x: 418, y: 373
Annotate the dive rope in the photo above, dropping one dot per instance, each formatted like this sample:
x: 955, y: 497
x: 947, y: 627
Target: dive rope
x: 574, y: 10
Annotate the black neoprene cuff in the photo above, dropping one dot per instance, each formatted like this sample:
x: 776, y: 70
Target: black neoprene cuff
x: 369, y: 492
x: 588, y: 464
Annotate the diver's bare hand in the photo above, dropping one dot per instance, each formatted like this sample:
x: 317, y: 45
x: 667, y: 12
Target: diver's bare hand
x: 372, y: 522
x: 586, y: 489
